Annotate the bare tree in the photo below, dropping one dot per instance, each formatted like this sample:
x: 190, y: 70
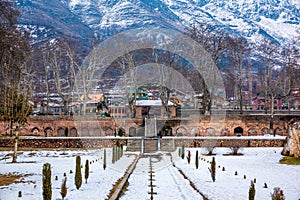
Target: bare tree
x: 238, y: 50
x: 213, y: 40
x: 129, y: 71
x: 268, y: 51
x: 14, y: 54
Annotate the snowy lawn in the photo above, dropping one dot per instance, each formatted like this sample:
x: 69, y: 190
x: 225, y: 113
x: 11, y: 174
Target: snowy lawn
x: 30, y: 163
x: 260, y: 163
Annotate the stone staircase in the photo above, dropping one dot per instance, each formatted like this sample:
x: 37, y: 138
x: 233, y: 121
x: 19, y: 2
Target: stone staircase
x: 150, y: 145
x: 134, y: 145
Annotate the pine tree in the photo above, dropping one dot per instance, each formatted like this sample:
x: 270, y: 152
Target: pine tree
x: 47, y: 191
x: 212, y: 169
x: 78, y: 175
x: 87, y: 171
x: 104, y: 159
x: 64, y: 189
x: 252, y: 191
x: 197, y: 160
x: 182, y: 152
x: 189, y: 157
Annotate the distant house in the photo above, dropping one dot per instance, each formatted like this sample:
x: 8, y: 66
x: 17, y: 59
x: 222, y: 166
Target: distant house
x: 151, y: 108
x: 294, y: 98
x: 259, y: 102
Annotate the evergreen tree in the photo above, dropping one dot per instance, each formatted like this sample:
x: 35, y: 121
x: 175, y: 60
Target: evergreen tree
x: 252, y: 191
x: 64, y: 189
x: 47, y: 191
x: 104, y: 159
x: 78, y: 175
x: 87, y: 171
x: 197, y: 160
x: 182, y: 152
x: 189, y: 157
x: 213, y: 169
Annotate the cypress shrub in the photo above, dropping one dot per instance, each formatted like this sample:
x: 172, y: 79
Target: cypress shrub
x: 87, y: 171
x: 189, y: 157
x: 113, y: 155
x: 182, y: 152
x: 47, y: 191
x: 278, y: 194
x: 179, y: 152
x: 254, y: 180
x: 252, y: 191
x: 213, y: 169
x: 64, y: 189
x: 197, y: 160
x: 104, y: 159
x: 78, y: 175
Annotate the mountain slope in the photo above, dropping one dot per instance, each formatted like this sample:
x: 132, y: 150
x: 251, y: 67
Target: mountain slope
x: 275, y: 19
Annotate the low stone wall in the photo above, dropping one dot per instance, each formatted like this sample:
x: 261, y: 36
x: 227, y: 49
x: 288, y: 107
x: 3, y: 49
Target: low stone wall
x: 229, y: 142
x: 167, y: 144
x: 62, y: 142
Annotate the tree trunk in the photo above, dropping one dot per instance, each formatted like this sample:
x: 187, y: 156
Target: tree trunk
x: 15, y: 146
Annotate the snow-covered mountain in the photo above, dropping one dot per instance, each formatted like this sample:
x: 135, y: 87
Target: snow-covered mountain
x: 275, y: 19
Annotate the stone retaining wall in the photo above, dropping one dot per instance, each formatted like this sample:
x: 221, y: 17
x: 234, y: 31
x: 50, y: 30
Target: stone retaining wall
x: 167, y: 144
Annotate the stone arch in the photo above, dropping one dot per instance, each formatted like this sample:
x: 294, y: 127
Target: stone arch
x: 35, y: 131
x: 48, y: 131
x: 181, y: 131
x: 132, y: 131
x: 95, y: 132
x: 109, y: 131
x: 210, y: 131
x: 225, y: 131
x: 195, y: 132
x: 264, y: 131
x: 73, y: 132
x: 61, y: 132
x: 121, y: 131
x: 238, y: 131
x: 85, y: 131
x: 278, y: 131
x: 252, y: 132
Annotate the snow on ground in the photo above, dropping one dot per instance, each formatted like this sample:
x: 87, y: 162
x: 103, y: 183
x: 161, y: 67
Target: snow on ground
x: 169, y: 183
x: 260, y: 163
x: 100, y: 181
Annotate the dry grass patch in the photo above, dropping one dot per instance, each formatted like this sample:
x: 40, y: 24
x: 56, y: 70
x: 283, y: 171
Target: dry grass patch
x: 7, y: 179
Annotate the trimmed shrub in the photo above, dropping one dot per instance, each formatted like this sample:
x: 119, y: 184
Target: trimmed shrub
x: 47, y: 190
x: 64, y: 189
x: 20, y: 194
x: 78, y: 175
x: 104, y: 159
x: 56, y: 178
x: 223, y: 169
x: 265, y: 185
x: 278, y: 194
x: 245, y: 177
x: 71, y: 171
x: 254, y: 180
x: 252, y: 191
x: 189, y: 157
x: 212, y: 169
x: 197, y: 160
x: 87, y: 171
x: 182, y: 152
x: 235, y: 173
